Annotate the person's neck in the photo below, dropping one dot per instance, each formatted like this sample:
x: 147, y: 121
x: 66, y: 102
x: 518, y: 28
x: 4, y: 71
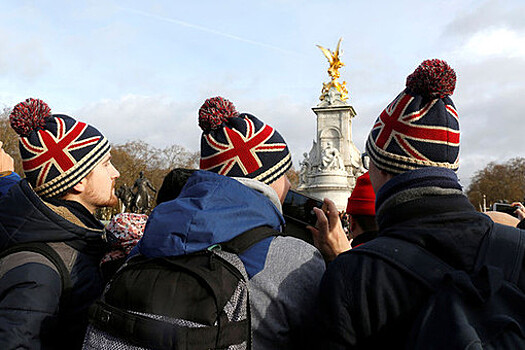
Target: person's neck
x: 75, y: 198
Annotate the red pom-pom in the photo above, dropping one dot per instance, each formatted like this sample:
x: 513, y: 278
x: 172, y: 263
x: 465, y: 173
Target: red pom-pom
x: 214, y: 112
x: 29, y: 115
x: 433, y: 78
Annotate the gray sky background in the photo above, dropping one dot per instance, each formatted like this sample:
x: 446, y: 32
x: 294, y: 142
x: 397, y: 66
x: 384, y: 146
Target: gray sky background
x: 140, y: 70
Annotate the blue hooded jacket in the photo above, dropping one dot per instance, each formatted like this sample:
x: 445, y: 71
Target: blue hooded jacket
x: 7, y: 180
x: 210, y: 209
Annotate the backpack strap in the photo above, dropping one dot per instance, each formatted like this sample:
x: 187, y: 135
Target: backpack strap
x: 245, y: 240
x: 503, y: 248
x: 408, y: 257
x: 52, y: 255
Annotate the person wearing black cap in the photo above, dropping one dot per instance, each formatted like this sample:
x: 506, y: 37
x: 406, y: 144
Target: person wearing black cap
x: 365, y: 301
x: 47, y: 285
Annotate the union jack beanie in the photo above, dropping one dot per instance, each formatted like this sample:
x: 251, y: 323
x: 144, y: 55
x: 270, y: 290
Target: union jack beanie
x: 240, y: 145
x: 57, y: 151
x: 420, y: 128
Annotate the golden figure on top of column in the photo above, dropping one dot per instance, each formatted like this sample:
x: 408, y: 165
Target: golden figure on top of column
x: 333, y: 72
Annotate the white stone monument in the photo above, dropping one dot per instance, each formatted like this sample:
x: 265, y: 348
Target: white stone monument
x: 331, y: 167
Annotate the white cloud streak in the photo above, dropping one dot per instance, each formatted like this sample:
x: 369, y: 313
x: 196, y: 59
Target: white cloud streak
x: 209, y: 30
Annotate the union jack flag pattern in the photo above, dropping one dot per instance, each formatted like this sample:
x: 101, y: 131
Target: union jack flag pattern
x: 420, y: 128
x: 245, y: 147
x: 60, y: 154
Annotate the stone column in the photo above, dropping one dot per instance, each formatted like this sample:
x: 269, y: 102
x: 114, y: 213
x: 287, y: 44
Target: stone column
x: 334, y: 162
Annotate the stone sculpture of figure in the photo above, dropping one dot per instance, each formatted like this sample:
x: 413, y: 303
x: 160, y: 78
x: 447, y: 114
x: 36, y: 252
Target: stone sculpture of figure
x: 305, y: 169
x: 331, y: 158
x: 142, y: 198
x: 313, y: 156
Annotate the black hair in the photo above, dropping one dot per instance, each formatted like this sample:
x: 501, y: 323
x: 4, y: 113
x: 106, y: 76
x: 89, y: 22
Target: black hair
x: 366, y: 222
x: 173, y: 183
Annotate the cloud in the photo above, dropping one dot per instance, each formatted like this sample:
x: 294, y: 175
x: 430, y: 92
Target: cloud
x: 208, y: 30
x: 157, y: 120
x: 490, y: 14
x: 493, y: 42
x: 488, y: 54
x: 22, y: 59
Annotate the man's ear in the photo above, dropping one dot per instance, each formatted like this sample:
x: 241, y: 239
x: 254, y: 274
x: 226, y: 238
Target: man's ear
x: 80, y: 186
x: 353, y: 224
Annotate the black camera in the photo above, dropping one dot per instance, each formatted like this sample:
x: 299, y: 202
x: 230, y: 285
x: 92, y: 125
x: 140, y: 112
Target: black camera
x: 505, y: 208
x: 300, y: 208
x: 298, y: 211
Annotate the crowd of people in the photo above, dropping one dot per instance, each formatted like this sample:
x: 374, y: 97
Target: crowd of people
x: 418, y: 268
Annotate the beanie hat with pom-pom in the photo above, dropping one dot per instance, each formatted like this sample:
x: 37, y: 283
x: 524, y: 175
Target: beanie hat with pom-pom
x: 57, y: 151
x: 420, y: 128
x: 240, y: 145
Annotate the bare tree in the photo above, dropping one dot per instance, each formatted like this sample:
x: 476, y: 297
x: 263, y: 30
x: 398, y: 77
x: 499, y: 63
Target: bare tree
x: 10, y: 139
x: 176, y: 156
x: 498, y: 182
x: 293, y: 176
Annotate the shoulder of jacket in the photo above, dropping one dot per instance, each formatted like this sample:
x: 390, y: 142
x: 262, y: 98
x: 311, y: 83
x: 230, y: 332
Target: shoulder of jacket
x: 14, y: 260
x: 295, y: 251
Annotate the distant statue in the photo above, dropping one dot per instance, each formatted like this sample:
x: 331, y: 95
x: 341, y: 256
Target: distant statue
x: 125, y: 194
x: 142, y: 198
x: 332, y: 158
x: 305, y: 170
x: 333, y: 72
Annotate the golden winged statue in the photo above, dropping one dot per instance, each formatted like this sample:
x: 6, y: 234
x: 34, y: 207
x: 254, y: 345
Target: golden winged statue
x: 333, y: 72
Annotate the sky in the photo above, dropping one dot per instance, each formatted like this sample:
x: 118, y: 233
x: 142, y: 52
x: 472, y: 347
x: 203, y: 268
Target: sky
x: 140, y: 70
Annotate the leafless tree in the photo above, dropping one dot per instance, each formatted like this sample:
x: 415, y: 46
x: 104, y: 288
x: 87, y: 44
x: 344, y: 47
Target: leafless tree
x: 498, y: 182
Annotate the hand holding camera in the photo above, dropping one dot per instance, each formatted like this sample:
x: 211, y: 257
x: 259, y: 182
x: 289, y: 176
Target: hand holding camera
x: 329, y: 236
x: 510, y: 209
x: 519, y: 210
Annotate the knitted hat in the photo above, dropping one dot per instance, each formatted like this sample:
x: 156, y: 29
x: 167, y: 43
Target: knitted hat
x: 240, y: 145
x: 363, y: 198
x: 420, y: 128
x: 57, y: 151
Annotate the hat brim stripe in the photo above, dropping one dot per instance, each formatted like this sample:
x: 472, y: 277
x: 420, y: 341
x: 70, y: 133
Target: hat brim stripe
x: 395, y: 163
x: 276, y: 171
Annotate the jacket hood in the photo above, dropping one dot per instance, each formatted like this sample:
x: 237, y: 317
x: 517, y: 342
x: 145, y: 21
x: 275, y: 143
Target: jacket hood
x: 210, y: 209
x: 25, y: 218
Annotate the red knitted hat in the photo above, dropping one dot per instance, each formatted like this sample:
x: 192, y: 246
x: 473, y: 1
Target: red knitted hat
x: 363, y: 198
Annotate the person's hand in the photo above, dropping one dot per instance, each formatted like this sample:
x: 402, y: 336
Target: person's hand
x: 502, y: 218
x: 6, y: 162
x: 520, y: 211
x: 329, y: 236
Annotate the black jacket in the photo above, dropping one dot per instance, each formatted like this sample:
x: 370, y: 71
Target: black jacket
x: 29, y: 293
x: 365, y: 303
